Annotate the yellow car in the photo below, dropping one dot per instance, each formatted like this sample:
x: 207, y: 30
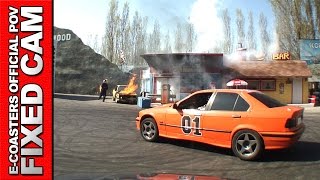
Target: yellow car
x: 116, y: 90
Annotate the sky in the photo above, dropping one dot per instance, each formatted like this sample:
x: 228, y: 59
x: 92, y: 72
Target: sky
x: 88, y: 17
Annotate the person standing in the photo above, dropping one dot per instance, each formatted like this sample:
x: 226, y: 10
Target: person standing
x: 103, y: 89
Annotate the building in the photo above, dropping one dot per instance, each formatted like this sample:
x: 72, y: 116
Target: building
x: 185, y: 73
x: 286, y: 81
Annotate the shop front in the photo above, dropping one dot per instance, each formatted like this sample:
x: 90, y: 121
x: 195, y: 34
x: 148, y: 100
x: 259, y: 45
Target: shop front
x: 183, y: 72
x: 286, y: 81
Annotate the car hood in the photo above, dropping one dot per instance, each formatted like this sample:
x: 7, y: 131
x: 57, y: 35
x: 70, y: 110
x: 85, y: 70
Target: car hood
x: 160, y: 108
x: 141, y: 176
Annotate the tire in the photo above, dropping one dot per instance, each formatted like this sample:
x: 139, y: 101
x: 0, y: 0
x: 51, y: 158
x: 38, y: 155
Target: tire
x: 149, y: 130
x: 117, y: 98
x: 247, y: 145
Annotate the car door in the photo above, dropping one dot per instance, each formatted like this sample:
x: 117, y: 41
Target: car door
x: 225, y: 112
x: 184, y: 121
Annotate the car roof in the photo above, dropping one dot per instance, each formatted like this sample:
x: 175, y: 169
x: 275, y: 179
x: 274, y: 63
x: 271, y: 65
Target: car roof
x: 227, y: 90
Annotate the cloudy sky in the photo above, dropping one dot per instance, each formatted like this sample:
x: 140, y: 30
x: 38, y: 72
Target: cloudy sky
x: 85, y: 17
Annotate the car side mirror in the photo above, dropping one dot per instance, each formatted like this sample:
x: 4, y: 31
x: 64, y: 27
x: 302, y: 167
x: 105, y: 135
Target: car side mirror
x: 175, y: 106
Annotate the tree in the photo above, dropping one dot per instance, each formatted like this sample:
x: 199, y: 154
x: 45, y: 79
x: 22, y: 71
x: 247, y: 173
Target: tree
x: 228, y: 42
x: 109, y: 40
x: 191, y: 37
x: 308, y: 23
x: 251, y: 38
x: 317, y: 17
x: 167, y: 43
x: 135, y: 36
x: 178, y: 43
x: 142, y: 48
x: 92, y: 41
x: 155, y: 38
x: 296, y: 20
x: 138, y: 38
x: 264, y: 35
x: 124, y: 30
x: 240, y: 26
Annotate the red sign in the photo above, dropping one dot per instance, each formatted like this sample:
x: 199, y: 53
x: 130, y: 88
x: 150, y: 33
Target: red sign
x: 26, y: 89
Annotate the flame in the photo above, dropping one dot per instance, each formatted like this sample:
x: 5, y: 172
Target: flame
x: 131, y: 87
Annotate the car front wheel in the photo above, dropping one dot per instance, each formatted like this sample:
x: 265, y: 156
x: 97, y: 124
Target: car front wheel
x: 247, y: 145
x: 149, y: 130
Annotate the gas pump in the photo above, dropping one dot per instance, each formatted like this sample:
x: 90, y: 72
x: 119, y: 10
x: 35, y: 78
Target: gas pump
x: 165, y: 93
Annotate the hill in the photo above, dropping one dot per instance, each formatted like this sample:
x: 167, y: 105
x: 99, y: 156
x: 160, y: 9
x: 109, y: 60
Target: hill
x: 78, y: 69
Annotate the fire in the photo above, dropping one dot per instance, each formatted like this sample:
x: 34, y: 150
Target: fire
x: 131, y: 87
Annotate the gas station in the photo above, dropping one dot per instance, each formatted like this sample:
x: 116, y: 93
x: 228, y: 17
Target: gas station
x: 173, y: 76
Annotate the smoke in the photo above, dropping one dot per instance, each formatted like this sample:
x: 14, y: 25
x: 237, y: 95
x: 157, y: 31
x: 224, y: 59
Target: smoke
x: 255, y: 54
x: 208, y: 26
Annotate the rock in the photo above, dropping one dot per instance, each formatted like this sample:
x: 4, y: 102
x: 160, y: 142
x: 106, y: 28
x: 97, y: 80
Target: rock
x: 79, y: 69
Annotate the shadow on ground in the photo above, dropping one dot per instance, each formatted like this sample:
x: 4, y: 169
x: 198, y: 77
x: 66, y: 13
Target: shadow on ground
x: 77, y: 97
x: 302, y: 151
x: 197, y: 146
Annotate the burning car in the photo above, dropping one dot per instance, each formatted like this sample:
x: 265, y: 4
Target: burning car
x: 126, y: 93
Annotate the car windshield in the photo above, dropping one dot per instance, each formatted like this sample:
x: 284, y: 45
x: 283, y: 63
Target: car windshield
x: 120, y: 88
x: 266, y: 100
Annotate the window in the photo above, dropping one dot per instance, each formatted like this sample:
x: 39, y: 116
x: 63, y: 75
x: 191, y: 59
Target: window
x: 224, y: 101
x: 264, y: 84
x: 268, y: 85
x: 241, y: 105
x: 196, y: 101
x: 266, y: 100
x: 229, y: 102
x: 253, y: 84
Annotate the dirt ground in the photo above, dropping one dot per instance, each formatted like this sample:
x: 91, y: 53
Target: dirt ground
x: 98, y: 140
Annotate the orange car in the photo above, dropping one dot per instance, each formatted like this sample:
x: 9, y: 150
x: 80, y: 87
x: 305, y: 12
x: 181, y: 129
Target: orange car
x: 247, y: 121
x: 164, y: 176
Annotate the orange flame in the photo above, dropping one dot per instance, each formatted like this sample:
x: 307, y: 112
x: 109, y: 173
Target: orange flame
x: 131, y: 87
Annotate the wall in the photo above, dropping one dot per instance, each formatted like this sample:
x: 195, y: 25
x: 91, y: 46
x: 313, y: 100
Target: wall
x: 305, y: 87
x: 286, y: 97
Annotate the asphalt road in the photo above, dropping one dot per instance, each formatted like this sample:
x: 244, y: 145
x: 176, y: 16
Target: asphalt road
x: 98, y: 140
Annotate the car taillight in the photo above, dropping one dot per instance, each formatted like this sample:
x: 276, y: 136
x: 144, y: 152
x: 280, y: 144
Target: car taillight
x: 292, y: 122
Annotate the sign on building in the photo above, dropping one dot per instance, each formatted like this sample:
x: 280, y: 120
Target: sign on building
x: 310, y: 50
x: 281, y: 56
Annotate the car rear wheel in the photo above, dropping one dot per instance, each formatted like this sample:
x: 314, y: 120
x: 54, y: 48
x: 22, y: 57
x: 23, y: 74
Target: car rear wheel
x: 247, y: 145
x: 149, y: 130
